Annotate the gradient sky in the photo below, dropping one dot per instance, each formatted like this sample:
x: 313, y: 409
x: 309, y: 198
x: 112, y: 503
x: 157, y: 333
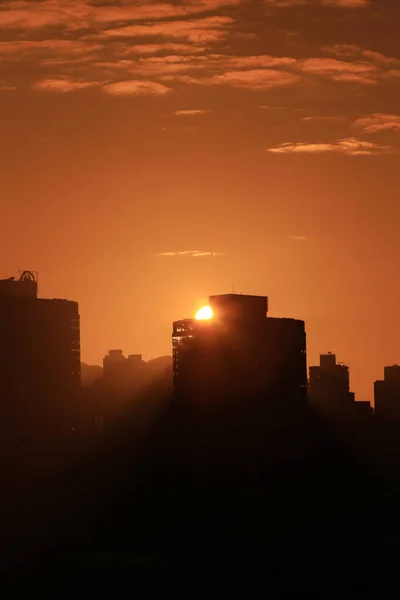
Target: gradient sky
x: 153, y: 153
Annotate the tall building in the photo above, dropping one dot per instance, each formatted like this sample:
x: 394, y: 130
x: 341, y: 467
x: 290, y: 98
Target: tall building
x: 39, y: 356
x: 329, y: 385
x: 240, y: 354
x: 387, y: 394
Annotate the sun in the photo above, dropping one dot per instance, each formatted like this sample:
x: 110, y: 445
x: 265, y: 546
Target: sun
x: 205, y: 312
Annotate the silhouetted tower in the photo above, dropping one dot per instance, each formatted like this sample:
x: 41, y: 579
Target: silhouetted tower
x: 329, y: 385
x: 387, y: 394
x: 39, y: 357
x: 240, y: 354
x: 116, y: 366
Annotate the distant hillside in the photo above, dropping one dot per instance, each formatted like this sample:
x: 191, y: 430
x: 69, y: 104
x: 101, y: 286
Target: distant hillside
x: 160, y: 364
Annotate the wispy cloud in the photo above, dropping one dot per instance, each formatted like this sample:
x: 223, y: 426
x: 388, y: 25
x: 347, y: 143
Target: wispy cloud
x: 136, y: 88
x: 207, y: 29
x: 256, y: 79
x: 339, y: 70
x: 347, y: 146
x: 75, y: 42
x: 323, y: 118
x: 191, y: 253
x: 347, y: 3
x: 378, y: 122
x: 39, y: 48
x: 5, y: 87
x: 166, y: 47
x: 253, y: 79
x: 334, y: 3
x: 83, y: 14
x: 64, y: 85
x: 191, y: 112
x: 361, y: 54
x: 298, y: 238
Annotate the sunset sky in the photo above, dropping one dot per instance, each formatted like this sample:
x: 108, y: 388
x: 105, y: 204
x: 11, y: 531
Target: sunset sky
x: 153, y: 153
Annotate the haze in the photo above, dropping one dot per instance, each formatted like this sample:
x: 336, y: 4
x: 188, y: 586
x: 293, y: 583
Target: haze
x: 154, y: 153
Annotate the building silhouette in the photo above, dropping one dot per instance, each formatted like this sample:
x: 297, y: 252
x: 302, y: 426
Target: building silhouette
x: 387, y: 394
x: 329, y: 385
x: 39, y: 358
x: 117, y: 366
x: 240, y: 354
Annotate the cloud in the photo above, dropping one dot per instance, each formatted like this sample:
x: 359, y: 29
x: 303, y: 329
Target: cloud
x: 4, y: 87
x: 255, y: 71
x: 199, y: 254
x: 207, y: 29
x: 176, y: 48
x: 267, y: 107
x: 160, y: 65
x: 298, y: 238
x: 339, y: 70
x: 258, y: 61
x: 56, y: 46
x: 392, y: 73
x: 286, y: 3
x: 64, y: 85
x: 347, y: 146
x: 191, y: 253
x: 323, y: 118
x: 253, y: 79
x: 347, y: 3
x: 191, y: 111
x: 83, y: 14
x: 216, y: 65
x: 378, y: 122
x: 354, y: 51
x: 136, y: 88
x: 335, y: 3
x: 156, y: 42
x: 354, y: 78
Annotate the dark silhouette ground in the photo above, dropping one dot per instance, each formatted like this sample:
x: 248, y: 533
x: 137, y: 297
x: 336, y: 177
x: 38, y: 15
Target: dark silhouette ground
x: 240, y: 501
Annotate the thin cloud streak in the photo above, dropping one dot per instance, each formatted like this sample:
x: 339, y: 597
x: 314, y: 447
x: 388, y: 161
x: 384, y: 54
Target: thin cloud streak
x: 191, y: 112
x: 378, y: 122
x: 208, y: 29
x: 64, y: 85
x: 192, y: 253
x: 136, y: 88
x: 346, y: 146
x: 334, y: 3
x: 323, y: 118
x: 80, y: 14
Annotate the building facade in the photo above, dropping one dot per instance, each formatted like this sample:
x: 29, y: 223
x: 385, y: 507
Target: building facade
x: 240, y: 354
x: 39, y: 356
x: 387, y: 394
x: 329, y: 385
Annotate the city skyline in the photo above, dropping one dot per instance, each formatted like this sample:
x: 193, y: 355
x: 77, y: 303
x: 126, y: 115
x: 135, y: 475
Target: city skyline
x: 26, y: 286
x: 154, y: 153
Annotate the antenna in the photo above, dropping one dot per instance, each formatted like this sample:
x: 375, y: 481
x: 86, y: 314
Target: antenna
x: 233, y: 289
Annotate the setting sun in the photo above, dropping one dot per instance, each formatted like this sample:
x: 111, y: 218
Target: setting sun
x: 205, y: 312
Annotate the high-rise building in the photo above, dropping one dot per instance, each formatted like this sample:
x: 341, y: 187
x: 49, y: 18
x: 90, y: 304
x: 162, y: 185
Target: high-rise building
x: 387, y: 394
x: 39, y: 356
x: 329, y: 385
x: 240, y: 354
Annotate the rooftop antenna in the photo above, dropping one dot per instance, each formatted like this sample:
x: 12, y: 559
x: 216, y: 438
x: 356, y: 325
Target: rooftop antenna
x: 233, y: 289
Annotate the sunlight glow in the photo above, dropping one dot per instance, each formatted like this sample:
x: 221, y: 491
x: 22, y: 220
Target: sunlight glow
x: 205, y: 312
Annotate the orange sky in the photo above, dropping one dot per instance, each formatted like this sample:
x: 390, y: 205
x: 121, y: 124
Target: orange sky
x: 262, y: 134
